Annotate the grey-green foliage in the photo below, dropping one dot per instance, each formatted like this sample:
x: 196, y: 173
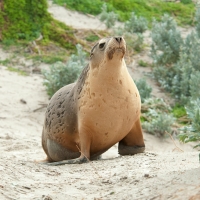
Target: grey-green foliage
x: 133, y: 41
x: 187, y: 70
x: 136, y: 24
x: 192, y: 50
x: 159, y: 125
x: 173, y: 69
x: 197, y: 19
x: 180, y: 82
x: 186, y: 1
x: 194, y: 85
x: 166, y: 41
x: 138, y: 42
x: 157, y: 104
x: 144, y: 89
x: 109, y: 18
x: 191, y: 132
x: 157, y: 115
x: 178, y: 71
x: 164, y: 75
x: 61, y: 74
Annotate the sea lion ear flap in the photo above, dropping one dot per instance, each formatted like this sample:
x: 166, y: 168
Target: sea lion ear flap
x: 91, y: 52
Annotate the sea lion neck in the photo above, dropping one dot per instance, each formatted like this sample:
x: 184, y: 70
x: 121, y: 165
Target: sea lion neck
x: 107, y: 69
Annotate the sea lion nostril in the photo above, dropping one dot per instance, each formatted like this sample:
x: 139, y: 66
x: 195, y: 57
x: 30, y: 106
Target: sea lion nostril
x: 119, y: 39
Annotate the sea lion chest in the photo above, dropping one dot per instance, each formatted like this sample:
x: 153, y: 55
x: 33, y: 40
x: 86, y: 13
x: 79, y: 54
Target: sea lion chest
x: 109, y: 104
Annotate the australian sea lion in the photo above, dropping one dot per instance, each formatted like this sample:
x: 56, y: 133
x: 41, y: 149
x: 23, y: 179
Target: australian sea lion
x: 86, y: 118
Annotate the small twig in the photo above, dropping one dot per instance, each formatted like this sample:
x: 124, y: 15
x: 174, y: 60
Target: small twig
x: 37, y: 47
x: 96, y: 33
x: 174, y: 141
x: 40, y: 108
x: 89, y: 161
x: 39, y: 38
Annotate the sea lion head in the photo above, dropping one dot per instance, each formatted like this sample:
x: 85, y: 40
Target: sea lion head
x: 108, y: 49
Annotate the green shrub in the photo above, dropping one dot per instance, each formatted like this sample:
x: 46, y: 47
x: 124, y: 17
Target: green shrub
x: 30, y: 21
x: 180, y: 87
x: 135, y: 24
x: 25, y: 22
x: 166, y: 41
x: 192, y: 50
x: 143, y: 64
x: 191, y: 133
x: 147, y: 9
x: 164, y: 75
x: 108, y: 17
x: 133, y: 41
x: 160, y: 124
x: 138, y: 42
x: 186, y: 1
x: 60, y: 33
x: 61, y: 74
x: 181, y: 74
x: 186, y: 77
x: 175, y: 59
x: 85, y: 6
x: 178, y: 111
x: 194, y: 85
x: 144, y: 89
x: 156, y: 117
x: 197, y: 19
x: 156, y: 104
x: 92, y: 38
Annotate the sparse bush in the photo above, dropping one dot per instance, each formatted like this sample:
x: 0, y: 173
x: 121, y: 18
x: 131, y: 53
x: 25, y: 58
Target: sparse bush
x: 136, y: 24
x: 179, y: 111
x: 197, y: 19
x: 186, y: 78
x: 181, y: 74
x: 186, y: 1
x: 144, y: 89
x: 148, y: 9
x: 180, y: 82
x: 61, y: 74
x: 143, y: 64
x: 164, y: 75
x: 133, y: 41
x: 160, y: 124
x: 166, y: 41
x: 157, y: 104
x: 157, y: 118
x: 194, y: 85
x: 92, y: 38
x: 174, y: 73
x: 191, y: 133
x: 108, y: 17
x: 192, y: 50
x: 138, y: 42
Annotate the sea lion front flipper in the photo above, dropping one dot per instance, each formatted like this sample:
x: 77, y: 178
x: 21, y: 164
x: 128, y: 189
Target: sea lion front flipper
x: 133, y: 143
x: 85, y: 141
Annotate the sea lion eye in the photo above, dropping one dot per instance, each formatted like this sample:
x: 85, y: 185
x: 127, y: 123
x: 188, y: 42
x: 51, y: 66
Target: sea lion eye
x: 101, y: 45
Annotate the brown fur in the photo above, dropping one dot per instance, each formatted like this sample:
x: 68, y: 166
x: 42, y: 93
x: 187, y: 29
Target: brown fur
x: 99, y: 110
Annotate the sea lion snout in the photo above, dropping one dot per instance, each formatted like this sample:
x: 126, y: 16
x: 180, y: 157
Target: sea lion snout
x: 119, y: 39
x: 116, y: 45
